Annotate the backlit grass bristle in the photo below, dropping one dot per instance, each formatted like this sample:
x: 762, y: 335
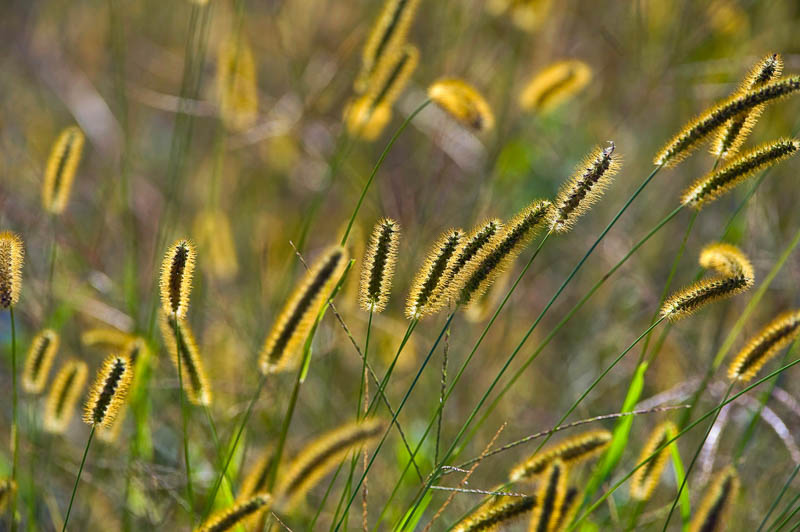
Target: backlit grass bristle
x: 135, y: 349
x: 571, y: 452
x: 497, y: 511
x: 645, y: 479
x: 7, y: 489
x: 431, y: 275
x: 12, y: 257
x: 735, y: 275
x: 298, y: 315
x: 43, y: 349
x: 762, y: 347
x: 493, y: 259
x: 463, y: 102
x: 698, y: 130
x: 109, y: 391
x: 195, y: 383
x: 106, y: 337
x: 388, y: 34
x: 176, y: 277
x: 237, y: 83
x: 258, y: 474
x: 110, y: 434
x: 229, y: 518
x: 60, y: 170
x: 380, y: 260
x: 322, y: 455
x: 716, y: 183
x: 733, y: 134
x: 63, y: 395
x: 584, y: 188
x: 554, y: 85
x: 717, y: 503
x: 550, y: 497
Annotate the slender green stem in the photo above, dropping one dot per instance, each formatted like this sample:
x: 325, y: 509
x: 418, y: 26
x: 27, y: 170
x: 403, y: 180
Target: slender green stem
x: 78, y: 478
x: 441, y: 395
x: 14, y: 422
x: 364, y: 383
x: 184, y: 419
x: 779, y: 526
x: 287, y: 421
x: 785, y: 511
x: 217, y: 449
x: 778, y: 497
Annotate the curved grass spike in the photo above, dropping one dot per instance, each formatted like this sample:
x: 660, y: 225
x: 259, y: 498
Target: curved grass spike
x: 731, y: 137
x: 717, y: 503
x: 698, y: 129
x: 63, y: 395
x: 493, y: 259
x: 258, y: 475
x: 463, y: 102
x: 12, y: 257
x: 552, y: 492
x: 297, y: 317
x: 229, y: 518
x: 431, y: 275
x: 44, y: 347
x: 196, y: 386
x: 584, y: 188
x: 762, y: 347
x: 495, y: 512
x: 7, y: 489
x: 644, y: 480
x: 237, y: 83
x: 60, y: 170
x: 108, y: 392
x: 571, y: 452
x: 735, y: 275
x: 716, y: 183
x: 215, y: 240
x: 554, y: 85
x: 176, y: 277
x: 379, y: 264
x: 569, y: 507
x: 388, y: 34
x: 322, y: 455
x: 106, y: 337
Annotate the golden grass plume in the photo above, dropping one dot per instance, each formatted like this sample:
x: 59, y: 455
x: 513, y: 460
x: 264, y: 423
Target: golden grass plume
x: 463, y: 102
x: 377, y: 270
x: 195, y: 382
x: 39, y: 360
x: 176, y: 277
x: 63, y: 395
x: 571, y: 452
x: 645, y: 479
x: 431, y: 275
x: 12, y: 257
x: 237, y: 83
x: 550, y: 498
x: 495, y: 512
x: 229, y: 518
x: 717, y: 503
x: 762, y: 347
x: 61, y: 168
x: 555, y: 85
x: 109, y: 391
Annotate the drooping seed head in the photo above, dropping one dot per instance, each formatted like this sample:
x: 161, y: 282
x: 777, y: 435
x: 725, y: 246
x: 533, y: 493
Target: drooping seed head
x: 463, y: 102
x: 176, y: 277
x: 109, y: 391
x: 41, y: 353
x: 584, y: 188
x: 106, y: 337
x: 60, y: 170
x: 12, y: 257
x: 725, y: 259
x: 195, y: 383
x: 298, y: 315
x: 63, y: 395
x: 237, y: 83
x: 550, y: 498
x: 496, y: 512
x: 258, y: 474
x: 718, y: 182
x: 571, y: 451
x: 554, y: 85
x: 432, y: 274
x: 645, y: 479
x: 717, y: 503
x: 229, y: 518
x: 377, y: 270
x: 762, y: 347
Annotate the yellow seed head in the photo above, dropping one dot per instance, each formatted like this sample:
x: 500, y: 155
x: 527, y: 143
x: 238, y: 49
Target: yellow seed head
x: 365, y: 121
x: 228, y: 518
x: 12, y: 256
x: 762, y: 347
x: 109, y: 391
x: 379, y: 263
x: 725, y: 259
x: 645, y: 478
x: 495, y: 512
x: 258, y: 475
x: 195, y: 383
x: 64, y: 394
x: 717, y: 503
x: 555, y: 85
x: 432, y: 274
x: 176, y: 277
x: 105, y: 337
x: 236, y: 84
x: 550, y: 498
x: 215, y: 241
x: 463, y: 102
x: 39, y: 360
x: 60, y: 171
x: 571, y: 451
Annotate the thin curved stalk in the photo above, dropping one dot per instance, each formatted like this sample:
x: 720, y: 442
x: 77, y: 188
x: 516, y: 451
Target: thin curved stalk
x: 14, y: 421
x: 78, y: 478
x: 184, y: 421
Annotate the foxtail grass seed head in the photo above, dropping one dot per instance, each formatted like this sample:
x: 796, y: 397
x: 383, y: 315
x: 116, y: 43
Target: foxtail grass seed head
x: 377, y: 270
x: 732, y: 135
x: 109, y: 391
x: 698, y: 130
x: 228, y: 518
x: 432, y: 274
x: 106, y: 337
x: 550, y: 497
x: 60, y: 170
x: 322, y: 455
x: 554, y: 85
x: 495, y: 258
x: 298, y: 315
x: 735, y: 275
x: 12, y: 257
x: 237, y: 84
x: 195, y: 383
x: 571, y: 452
x: 63, y: 395
x: 716, y: 183
x: 762, y: 347
x: 7, y: 489
x: 463, y: 102
x: 569, y: 507
x: 43, y: 349
x: 215, y: 241
x: 496, y: 512
x: 110, y: 434
x: 584, y: 188
x: 364, y: 120
x: 258, y: 474
x: 176, y: 277
x: 388, y: 34
x: 646, y: 478
x: 717, y: 503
